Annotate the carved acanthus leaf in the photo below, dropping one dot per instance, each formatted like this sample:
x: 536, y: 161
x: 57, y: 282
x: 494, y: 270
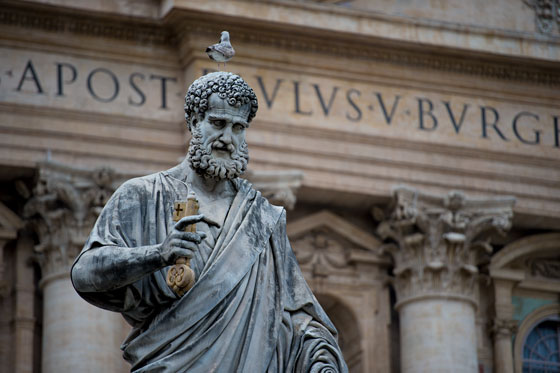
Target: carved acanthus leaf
x: 65, y: 204
x: 438, y: 239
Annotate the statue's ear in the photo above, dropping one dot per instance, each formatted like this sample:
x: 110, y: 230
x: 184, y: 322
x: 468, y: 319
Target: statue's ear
x: 192, y: 121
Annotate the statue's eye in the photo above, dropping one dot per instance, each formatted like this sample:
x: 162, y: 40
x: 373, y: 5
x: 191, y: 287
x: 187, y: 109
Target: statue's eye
x: 238, y: 127
x: 219, y: 123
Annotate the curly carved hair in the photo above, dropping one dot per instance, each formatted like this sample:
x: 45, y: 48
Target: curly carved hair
x: 227, y: 86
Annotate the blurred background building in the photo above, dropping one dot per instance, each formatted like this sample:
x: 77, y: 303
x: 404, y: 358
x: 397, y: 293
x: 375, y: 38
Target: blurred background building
x: 415, y: 144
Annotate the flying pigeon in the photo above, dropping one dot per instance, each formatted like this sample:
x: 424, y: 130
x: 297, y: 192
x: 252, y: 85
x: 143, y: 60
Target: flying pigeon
x: 222, y: 51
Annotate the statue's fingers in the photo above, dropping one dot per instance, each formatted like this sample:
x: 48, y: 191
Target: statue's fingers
x: 188, y: 220
x: 183, y: 253
x: 191, y: 236
x: 187, y: 245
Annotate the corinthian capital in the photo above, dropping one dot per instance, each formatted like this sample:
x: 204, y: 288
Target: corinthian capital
x: 435, y: 240
x: 503, y: 328
x: 62, y: 210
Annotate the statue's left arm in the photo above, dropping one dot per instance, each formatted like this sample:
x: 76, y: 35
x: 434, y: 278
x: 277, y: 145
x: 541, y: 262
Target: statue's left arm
x: 315, y: 337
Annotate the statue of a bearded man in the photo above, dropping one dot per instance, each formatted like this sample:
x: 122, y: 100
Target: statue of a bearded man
x: 250, y: 309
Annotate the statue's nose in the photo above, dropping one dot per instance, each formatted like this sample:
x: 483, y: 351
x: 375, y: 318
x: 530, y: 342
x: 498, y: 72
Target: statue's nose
x: 226, y: 136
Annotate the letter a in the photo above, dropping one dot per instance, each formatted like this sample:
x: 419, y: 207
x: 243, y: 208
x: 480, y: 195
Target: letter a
x: 29, y: 68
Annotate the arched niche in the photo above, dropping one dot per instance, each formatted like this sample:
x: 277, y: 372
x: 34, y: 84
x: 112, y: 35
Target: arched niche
x: 349, y: 334
x: 530, y: 263
x: 341, y: 264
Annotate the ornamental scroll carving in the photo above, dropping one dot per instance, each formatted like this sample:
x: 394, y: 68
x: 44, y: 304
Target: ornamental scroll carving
x: 436, y: 241
x: 547, y: 14
x: 545, y: 267
x: 503, y: 327
x: 322, y: 252
x: 62, y: 211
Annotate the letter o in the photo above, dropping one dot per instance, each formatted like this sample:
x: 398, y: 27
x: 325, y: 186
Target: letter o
x: 115, y: 83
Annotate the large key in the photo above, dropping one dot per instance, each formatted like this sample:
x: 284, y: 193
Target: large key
x: 180, y: 277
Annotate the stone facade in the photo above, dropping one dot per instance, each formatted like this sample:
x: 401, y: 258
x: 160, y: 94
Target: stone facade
x: 457, y: 100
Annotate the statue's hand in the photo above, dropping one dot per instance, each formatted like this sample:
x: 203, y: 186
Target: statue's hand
x: 179, y: 243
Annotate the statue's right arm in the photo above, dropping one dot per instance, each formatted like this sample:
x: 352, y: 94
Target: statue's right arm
x: 105, y: 268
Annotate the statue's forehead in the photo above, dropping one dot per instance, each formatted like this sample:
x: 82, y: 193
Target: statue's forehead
x: 217, y: 105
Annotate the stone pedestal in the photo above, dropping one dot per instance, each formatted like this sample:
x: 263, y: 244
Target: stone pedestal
x: 435, y: 246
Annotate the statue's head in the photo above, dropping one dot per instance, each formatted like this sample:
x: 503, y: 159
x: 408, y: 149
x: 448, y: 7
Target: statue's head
x: 218, y: 108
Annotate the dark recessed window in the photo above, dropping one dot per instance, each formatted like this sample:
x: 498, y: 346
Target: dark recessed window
x: 541, y: 351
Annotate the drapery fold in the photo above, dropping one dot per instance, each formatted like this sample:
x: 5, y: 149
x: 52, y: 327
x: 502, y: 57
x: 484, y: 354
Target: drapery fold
x: 250, y: 309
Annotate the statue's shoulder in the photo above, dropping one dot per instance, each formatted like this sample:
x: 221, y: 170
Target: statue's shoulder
x: 140, y: 185
x: 245, y: 186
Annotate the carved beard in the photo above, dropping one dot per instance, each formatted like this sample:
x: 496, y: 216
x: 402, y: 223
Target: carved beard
x: 203, y: 162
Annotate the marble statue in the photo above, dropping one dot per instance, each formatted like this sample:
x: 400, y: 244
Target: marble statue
x: 250, y: 309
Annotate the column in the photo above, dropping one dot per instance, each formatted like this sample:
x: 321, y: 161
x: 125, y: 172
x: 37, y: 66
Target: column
x: 435, y: 243
x: 503, y: 325
x: 77, y: 337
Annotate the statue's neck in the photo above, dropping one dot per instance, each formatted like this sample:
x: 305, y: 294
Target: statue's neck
x: 216, y: 188
x: 214, y: 196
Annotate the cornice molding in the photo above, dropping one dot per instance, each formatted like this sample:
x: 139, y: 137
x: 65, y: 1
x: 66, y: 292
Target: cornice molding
x: 180, y: 25
x: 397, y: 55
x: 83, y: 24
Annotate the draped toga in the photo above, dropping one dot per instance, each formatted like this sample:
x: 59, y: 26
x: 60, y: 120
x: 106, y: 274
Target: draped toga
x: 250, y: 309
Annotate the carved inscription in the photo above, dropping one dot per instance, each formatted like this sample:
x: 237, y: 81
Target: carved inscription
x: 58, y: 81
x: 89, y: 84
x: 375, y: 107
x: 67, y: 74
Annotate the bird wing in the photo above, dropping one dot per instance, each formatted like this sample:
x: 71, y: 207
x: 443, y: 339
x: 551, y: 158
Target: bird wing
x: 225, y: 49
